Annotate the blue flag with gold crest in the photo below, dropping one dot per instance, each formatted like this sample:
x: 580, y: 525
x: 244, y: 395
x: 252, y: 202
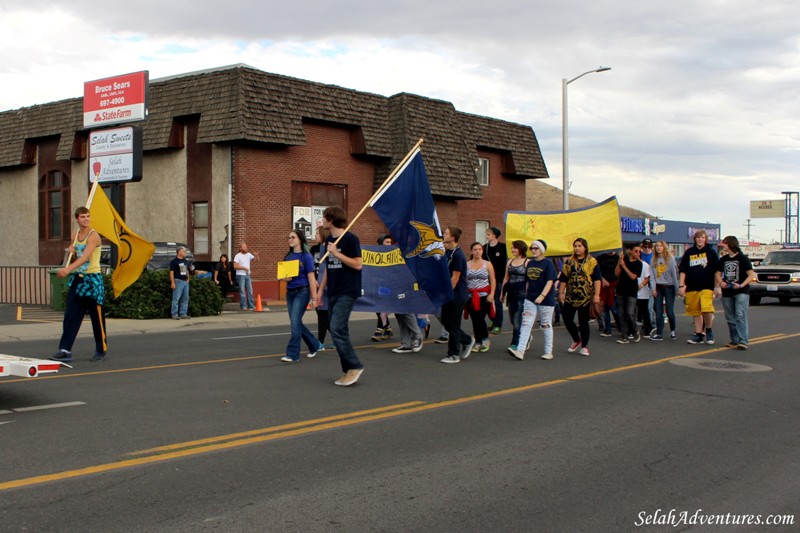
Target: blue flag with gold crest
x: 406, y: 206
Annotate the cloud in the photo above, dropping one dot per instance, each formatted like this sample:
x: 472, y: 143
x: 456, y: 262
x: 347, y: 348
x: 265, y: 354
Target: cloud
x: 696, y: 117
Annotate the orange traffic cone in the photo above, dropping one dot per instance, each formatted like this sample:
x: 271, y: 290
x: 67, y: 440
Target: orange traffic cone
x: 258, y: 304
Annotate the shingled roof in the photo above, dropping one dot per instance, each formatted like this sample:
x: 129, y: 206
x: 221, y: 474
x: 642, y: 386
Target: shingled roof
x: 243, y: 104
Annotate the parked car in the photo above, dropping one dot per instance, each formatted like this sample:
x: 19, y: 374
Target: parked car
x: 778, y: 276
x: 166, y: 252
x: 162, y: 255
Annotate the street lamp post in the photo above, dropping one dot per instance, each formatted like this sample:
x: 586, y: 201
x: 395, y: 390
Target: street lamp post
x: 564, y: 129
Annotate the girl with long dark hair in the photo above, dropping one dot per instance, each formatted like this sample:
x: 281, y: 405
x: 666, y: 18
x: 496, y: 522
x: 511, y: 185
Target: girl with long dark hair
x: 298, y: 294
x: 580, y: 286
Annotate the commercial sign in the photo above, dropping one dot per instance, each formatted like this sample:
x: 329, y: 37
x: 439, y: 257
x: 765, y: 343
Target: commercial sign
x: 644, y: 226
x: 115, y: 100
x: 115, y: 155
x: 767, y: 209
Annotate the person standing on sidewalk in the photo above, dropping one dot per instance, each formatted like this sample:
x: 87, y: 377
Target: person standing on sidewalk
x: 241, y: 263
x: 342, y: 277
x: 179, y: 270
x: 495, y: 252
x: 459, y: 344
x: 86, y: 293
x: 734, y: 274
x: 698, y: 268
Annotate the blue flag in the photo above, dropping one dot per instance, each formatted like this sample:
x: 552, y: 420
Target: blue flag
x: 406, y: 206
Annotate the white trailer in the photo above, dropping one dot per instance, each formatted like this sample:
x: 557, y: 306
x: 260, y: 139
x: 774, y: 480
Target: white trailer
x: 26, y: 367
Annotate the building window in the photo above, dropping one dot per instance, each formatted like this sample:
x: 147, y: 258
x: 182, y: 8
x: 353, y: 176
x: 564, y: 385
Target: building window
x: 200, y: 228
x: 481, y: 227
x: 54, y: 206
x: 482, y: 172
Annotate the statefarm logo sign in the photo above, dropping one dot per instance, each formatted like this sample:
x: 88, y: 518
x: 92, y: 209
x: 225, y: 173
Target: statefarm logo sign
x: 115, y: 100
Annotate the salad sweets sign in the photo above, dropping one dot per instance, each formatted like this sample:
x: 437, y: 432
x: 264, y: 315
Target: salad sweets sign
x: 115, y: 155
x: 115, y: 100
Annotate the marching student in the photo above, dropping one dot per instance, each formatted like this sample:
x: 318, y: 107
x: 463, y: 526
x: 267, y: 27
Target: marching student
x: 541, y: 275
x: 86, y: 293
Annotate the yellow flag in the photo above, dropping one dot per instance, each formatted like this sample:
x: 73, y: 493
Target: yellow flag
x: 598, y: 224
x: 133, y: 251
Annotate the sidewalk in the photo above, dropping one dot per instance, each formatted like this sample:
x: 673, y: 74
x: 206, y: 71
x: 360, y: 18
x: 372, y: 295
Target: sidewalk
x: 231, y: 317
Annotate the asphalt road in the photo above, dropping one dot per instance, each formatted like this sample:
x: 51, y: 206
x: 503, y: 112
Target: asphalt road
x: 208, y: 431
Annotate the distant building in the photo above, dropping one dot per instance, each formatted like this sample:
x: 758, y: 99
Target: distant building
x: 230, y: 153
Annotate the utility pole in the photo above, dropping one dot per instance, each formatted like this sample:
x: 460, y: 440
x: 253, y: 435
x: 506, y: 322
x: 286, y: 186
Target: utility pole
x: 749, y: 225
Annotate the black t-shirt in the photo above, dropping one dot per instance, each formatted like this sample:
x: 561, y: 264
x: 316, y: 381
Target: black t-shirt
x: 457, y: 262
x: 180, y: 268
x: 626, y: 286
x: 608, y: 263
x: 343, y: 280
x: 734, y: 270
x: 700, y: 266
x: 498, y: 257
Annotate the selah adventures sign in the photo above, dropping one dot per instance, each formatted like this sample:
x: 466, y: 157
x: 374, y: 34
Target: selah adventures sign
x: 115, y: 100
x: 115, y: 155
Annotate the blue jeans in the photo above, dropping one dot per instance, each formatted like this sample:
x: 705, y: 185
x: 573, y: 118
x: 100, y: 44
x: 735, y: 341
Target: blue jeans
x: 245, y: 291
x: 296, y: 302
x: 735, y: 308
x: 515, y: 301
x: 339, y: 309
x: 665, y: 293
x: 180, y: 295
x: 529, y: 313
x: 497, y: 321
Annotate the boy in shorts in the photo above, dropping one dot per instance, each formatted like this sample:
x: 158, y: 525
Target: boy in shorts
x: 697, y: 271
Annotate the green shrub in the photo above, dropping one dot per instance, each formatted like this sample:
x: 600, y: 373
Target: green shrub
x: 151, y: 297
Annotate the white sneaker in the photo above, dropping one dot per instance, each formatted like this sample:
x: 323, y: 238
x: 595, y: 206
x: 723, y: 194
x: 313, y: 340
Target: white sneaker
x: 349, y: 378
x: 450, y: 359
x: 584, y: 350
x: 312, y: 355
x: 467, y: 350
x: 516, y: 353
x: 416, y: 345
x: 547, y: 356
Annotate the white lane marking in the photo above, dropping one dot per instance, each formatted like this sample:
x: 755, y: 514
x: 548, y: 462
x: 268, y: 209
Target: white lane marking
x: 3, y: 412
x: 249, y: 336
x: 9, y: 422
x: 50, y: 406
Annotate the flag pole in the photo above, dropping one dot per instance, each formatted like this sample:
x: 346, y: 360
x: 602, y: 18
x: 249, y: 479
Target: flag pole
x: 88, y: 205
x: 377, y: 193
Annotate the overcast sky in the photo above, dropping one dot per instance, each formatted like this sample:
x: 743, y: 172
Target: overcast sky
x: 698, y: 116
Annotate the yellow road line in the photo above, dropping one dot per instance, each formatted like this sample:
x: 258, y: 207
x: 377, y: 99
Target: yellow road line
x: 273, y: 429
x: 193, y: 448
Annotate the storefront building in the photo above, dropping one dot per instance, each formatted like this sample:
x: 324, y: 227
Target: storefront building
x: 236, y: 155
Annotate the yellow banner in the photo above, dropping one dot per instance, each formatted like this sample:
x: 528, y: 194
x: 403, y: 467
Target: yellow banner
x: 598, y: 224
x: 382, y: 259
x: 133, y: 251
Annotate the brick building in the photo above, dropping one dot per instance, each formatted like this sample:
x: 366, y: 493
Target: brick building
x: 239, y: 155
